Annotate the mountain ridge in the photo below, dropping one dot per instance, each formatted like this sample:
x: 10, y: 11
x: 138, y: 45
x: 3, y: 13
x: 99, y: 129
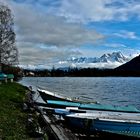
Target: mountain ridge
x: 109, y: 57
x: 108, y: 60
x: 132, y: 65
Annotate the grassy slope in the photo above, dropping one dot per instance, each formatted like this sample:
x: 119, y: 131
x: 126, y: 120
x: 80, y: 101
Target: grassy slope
x: 12, y: 118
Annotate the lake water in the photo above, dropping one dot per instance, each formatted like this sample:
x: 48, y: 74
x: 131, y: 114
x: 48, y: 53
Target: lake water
x: 106, y: 90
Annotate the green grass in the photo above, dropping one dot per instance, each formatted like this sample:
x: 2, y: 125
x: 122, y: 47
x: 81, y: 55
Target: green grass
x: 12, y: 118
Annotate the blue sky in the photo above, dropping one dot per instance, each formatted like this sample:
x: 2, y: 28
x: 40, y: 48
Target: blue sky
x: 52, y: 30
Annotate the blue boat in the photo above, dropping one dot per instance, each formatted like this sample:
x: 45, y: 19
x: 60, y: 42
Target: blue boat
x: 105, y: 121
x: 91, y: 106
x: 118, y: 123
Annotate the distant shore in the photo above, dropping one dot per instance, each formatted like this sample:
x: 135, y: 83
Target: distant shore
x: 81, y: 72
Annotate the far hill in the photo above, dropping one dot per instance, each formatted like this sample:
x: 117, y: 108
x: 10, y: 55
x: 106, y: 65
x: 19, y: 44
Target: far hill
x: 133, y: 65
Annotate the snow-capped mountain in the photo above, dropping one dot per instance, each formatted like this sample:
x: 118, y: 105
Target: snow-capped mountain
x: 113, y: 57
x: 109, y: 60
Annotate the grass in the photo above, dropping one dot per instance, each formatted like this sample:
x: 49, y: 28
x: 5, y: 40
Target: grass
x: 12, y: 118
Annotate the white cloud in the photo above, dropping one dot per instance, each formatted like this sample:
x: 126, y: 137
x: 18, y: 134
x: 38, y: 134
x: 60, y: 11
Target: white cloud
x: 53, y: 30
x: 90, y: 65
x: 132, y: 52
x: 126, y: 35
x: 95, y: 10
x: 32, y: 54
x: 88, y: 10
x: 35, y: 26
x: 60, y: 23
x: 115, y: 45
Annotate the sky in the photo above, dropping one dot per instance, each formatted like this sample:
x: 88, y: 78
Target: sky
x: 48, y: 31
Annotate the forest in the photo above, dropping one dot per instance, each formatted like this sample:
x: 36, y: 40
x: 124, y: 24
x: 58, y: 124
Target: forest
x: 81, y: 72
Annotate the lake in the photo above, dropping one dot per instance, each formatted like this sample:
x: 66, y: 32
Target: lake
x: 106, y: 90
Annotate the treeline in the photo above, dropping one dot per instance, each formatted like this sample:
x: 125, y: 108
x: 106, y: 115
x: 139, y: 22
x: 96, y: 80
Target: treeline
x: 84, y: 72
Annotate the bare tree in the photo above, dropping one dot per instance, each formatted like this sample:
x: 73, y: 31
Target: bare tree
x: 8, y: 50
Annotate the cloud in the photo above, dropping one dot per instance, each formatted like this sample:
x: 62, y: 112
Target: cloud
x: 94, y: 10
x: 63, y: 24
x: 89, y: 10
x: 127, y: 35
x: 35, y: 27
x: 115, y: 45
x: 52, y: 30
x: 110, y: 65
x: 131, y: 52
x: 32, y: 54
x: 91, y: 65
x: 86, y: 11
x: 83, y: 11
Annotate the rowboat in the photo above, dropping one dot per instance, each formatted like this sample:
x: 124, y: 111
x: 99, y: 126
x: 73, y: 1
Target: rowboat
x: 91, y: 106
x: 105, y: 121
x: 114, y: 123
x: 47, y: 95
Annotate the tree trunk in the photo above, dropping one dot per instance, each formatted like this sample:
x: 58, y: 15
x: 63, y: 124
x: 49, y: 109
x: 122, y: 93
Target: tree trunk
x: 0, y: 63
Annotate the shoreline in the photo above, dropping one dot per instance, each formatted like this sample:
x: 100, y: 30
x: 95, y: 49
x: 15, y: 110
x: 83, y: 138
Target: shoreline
x: 25, y: 121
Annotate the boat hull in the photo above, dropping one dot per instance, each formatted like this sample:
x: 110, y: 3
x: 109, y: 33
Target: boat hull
x: 92, y: 125
x: 46, y: 95
x: 91, y: 106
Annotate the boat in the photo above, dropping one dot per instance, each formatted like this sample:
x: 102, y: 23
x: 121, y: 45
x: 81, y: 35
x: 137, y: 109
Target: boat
x: 114, y: 123
x: 47, y: 95
x: 62, y: 112
x: 91, y: 106
x: 105, y: 121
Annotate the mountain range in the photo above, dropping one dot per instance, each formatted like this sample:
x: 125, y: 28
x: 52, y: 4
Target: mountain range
x: 109, y: 60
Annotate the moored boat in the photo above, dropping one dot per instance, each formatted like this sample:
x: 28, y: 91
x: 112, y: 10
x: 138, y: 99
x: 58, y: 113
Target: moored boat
x: 47, y: 95
x: 104, y: 121
x: 91, y: 106
x: 115, y: 123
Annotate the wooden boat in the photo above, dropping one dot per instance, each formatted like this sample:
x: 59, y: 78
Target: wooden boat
x: 91, y: 106
x: 47, y: 95
x: 105, y: 121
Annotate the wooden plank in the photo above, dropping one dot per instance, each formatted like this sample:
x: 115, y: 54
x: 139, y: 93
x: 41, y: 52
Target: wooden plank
x: 57, y: 130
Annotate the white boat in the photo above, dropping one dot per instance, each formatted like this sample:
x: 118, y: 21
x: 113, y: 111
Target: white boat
x: 105, y: 121
x: 47, y: 95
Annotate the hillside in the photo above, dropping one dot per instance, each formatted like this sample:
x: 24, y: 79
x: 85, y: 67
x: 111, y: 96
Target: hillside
x: 133, y: 65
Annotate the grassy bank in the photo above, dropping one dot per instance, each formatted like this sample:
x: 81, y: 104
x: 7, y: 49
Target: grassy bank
x: 12, y: 118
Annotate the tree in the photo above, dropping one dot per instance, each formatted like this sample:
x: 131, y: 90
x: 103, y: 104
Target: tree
x: 8, y: 50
